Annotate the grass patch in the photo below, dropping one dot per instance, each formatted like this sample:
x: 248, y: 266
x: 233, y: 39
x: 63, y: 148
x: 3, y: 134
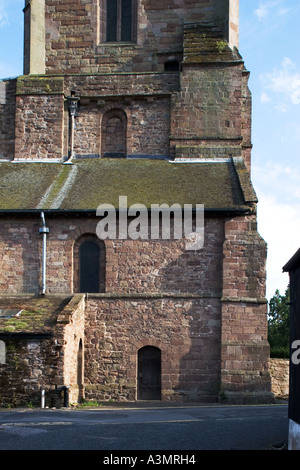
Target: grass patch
x: 89, y: 403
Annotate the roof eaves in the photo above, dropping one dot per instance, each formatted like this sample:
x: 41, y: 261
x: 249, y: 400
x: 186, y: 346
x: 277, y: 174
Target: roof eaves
x: 244, y: 180
x: 91, y: 212
x: 21, y: 334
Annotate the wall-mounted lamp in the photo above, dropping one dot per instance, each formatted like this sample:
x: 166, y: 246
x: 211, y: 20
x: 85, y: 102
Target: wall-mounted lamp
x: 73, y: 103
x: 72, y: 107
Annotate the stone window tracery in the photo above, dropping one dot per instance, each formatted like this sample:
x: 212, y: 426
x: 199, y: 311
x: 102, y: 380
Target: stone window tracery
x: 120, y: 18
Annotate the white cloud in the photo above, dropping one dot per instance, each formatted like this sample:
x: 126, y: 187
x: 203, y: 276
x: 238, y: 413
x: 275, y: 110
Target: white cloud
x: 3, y: 14
x: 284, y: 11
x: 264, y: 98
x: 262, y: 11
x: 268, y: 8
x: 285, y: 83
x: 280, y: 179
x: 291, y: 132
x: 278, y: 189
x: 3, y: 19
x: 279, y: 225
x: 8, y: 9
x: 273, y: 12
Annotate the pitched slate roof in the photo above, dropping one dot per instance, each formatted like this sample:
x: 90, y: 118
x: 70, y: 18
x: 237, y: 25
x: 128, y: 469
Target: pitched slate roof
x: 85, y: 184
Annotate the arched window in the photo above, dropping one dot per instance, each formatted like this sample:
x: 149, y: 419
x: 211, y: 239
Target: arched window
x: 114, y: 133
x: 149, y: 373
x: 120, y: 20
x: 89, y: 265
x: 2, y: 353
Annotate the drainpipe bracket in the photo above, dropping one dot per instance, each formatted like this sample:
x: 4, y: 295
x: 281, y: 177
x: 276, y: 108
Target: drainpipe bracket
x: 44, y: 230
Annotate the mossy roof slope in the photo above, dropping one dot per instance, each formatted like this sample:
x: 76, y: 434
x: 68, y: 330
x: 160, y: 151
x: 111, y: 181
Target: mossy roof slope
x: 205, y: 42
x: 86, y: 184
x: 34, y: 314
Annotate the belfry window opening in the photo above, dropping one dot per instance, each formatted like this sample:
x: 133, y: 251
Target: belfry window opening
x: 120, y: 20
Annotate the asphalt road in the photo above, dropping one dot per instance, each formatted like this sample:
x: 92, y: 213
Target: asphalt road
x: 180, y: 428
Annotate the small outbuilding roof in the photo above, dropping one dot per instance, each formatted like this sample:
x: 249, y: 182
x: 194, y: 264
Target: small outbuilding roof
x: 33, y: 314
x: 293, y: 263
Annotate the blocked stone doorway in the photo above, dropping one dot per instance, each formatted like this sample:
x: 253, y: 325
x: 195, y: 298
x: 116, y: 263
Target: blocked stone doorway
x: 149, y: 373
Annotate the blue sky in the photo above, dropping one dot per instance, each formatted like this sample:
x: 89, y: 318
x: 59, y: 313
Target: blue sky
x: 269, y: 45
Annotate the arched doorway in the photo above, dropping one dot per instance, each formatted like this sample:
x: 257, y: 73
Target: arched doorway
x: 149, y: 373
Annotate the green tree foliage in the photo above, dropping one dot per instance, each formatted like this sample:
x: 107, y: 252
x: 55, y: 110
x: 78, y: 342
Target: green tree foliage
x: 279, y: 325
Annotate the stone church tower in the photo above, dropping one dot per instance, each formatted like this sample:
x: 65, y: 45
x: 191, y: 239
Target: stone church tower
x: 132, y: 104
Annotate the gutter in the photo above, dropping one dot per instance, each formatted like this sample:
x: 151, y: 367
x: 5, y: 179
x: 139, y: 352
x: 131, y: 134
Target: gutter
x: 26, y: 335
x: 93, y: 212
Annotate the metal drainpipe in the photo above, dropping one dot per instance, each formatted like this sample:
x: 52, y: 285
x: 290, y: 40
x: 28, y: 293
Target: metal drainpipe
x: 44, y: 231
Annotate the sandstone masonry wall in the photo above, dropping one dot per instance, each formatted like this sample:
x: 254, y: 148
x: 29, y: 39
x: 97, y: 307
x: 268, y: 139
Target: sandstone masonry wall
x: 36, y: 362
x: 70, y: 336
x: 158, y: 37
x: 42, y: 118
x: 178, y: 89
x: 245, y: 349
x: 31, y: 364
x: 7, y: 118
x: 131, y: 266
x: 156, y: 294
x: 279, y: 370
x: 186, y: 330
